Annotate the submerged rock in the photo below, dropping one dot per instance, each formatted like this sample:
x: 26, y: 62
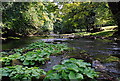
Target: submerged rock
x: 98, y: 66
x: 16, y: 62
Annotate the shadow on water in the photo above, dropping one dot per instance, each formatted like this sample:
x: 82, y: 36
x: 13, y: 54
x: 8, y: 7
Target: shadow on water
x: 11, y: 44
x: 107, y: 52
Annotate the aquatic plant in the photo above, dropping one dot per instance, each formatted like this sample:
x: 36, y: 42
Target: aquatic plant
x: 19, y: 72
x: 7, y: 60
x: 3, y: 54
x: 71, y: 69
x: 30, y: 58
x: 39, y: 54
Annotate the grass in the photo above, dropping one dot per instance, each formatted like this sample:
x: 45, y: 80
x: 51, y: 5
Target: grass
x: 104, y: 33
x: 109, y: 27
x: 107, y: 32
x: 13, y: 38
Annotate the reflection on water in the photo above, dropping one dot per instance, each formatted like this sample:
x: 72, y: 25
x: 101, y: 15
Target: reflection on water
x: 95, y: 47
x: 10, y: 44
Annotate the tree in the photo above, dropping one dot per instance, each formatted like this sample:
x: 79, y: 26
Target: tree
x: 83, y: 15
x: 115, y: 8
x: 27, y: 18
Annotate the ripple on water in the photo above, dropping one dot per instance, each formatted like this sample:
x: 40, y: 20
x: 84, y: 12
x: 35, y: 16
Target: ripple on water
x: 113, y: 67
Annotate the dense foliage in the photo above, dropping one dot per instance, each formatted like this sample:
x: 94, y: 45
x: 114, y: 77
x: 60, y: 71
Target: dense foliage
x: 19, y: 72
x: 25, y: 18
x: 31, y: 18
x: 83, y: 15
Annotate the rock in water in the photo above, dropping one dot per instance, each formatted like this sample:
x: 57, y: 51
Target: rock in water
x: 98, y: 66
x: 16, y: 62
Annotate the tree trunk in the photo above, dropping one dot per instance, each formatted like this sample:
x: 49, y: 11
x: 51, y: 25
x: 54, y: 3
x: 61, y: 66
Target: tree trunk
x: 115, y: 9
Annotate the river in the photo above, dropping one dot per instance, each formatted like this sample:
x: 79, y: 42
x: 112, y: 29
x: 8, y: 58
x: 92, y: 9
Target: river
x: 107, y: 52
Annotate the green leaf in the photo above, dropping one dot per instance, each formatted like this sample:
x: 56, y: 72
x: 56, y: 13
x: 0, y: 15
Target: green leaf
x: 72, y: 75
x: 25, y: 63
x: 32, y: 63
x: 64, y: 75
x: 65, y: 61
x: 50, y: 72
x: 79, y: 76
x: 55, y: 76
x: 83, y: 64
x: 90, y: 75
x: 73, y: 59
x: 5, y: 74
x: 73, y: 67
x: 57, y: 67
x: 81, y: 69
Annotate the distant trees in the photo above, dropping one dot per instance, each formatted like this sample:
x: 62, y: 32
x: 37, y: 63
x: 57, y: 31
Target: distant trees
x: 83, y: 15
x: 25, y: 18
x: 30, y: 18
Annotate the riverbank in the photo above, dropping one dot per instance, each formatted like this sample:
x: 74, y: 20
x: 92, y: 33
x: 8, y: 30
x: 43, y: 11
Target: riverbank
x: 109, y: 32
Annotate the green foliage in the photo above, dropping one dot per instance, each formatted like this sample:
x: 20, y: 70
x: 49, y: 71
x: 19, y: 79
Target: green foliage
x: 42, y: 53
x: 71, y: 69
x: 103, y: 33
x: 111, y: 59
x: 7, y: 60
x: 24, y: 18
x: 82, y: 15
x: 3, y: 53
x: 19, y: 72
x: 45, y: 46
x: 30, y: 58
x: 34, y: 54
x: 37, y: 52
x: 107, y: 32
x: 17, y: 50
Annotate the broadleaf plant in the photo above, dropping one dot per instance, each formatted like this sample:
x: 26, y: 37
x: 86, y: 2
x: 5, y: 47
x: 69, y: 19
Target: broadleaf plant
x: 19, y: 72
x: 37, y: 52
x: 71, y: 69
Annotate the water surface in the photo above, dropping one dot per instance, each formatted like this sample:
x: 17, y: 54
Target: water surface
x: 105, y: 51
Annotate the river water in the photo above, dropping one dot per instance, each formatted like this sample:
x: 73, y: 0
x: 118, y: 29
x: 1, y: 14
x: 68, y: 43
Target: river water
x: 107, y: 52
